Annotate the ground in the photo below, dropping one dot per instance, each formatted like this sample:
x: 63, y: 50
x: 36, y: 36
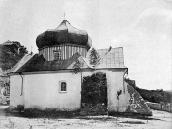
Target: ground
x: 159, y: 120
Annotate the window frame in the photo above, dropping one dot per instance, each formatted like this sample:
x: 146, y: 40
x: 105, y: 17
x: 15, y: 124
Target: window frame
x: 59, y: 54
x: 60, y: 86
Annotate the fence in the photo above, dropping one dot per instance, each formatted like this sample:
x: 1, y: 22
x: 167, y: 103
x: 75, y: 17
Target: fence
x: 161, y: 106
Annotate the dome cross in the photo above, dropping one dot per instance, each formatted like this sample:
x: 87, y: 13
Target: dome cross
x: 64, y: 16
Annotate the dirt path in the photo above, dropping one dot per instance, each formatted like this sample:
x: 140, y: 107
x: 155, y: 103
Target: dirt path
x: 159, y: 120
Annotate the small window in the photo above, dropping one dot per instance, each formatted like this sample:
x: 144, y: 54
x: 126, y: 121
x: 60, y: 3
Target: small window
x: 57, y: 55
x: 63, y: 86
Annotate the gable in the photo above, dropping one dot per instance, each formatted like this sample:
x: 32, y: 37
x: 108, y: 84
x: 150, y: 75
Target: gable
x: 83, y: 63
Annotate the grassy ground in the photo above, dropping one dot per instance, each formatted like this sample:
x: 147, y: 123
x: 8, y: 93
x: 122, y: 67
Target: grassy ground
x: 159, y: 120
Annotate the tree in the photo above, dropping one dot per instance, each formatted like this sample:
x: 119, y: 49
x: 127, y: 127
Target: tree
x: 94, y: 57
x: 10, y: 53
x: 94, y: 89
x: 77, y: 66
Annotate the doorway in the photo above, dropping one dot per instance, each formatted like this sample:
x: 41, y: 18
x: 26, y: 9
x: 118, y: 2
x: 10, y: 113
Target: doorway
x: 94, y: 93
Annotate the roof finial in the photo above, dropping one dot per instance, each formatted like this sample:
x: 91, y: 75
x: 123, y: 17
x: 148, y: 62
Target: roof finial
x: 64, y: 16
x: 31, y: 51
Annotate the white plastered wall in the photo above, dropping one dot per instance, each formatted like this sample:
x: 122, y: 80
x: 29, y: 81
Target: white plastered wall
x: 114, y: 84
x: 15, y: 91
x: 42, y: 91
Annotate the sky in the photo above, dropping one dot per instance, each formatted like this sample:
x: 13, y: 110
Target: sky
x: 142, y: 27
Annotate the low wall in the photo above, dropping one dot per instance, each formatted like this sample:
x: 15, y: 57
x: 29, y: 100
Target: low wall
x: 160, y: 106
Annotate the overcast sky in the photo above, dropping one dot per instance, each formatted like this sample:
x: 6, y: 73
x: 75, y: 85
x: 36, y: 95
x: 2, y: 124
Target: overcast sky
x: 142, y: 27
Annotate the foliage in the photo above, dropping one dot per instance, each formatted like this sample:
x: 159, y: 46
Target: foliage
x: 10, y: 53
x: 94, y: 89
x: 94, y: 57
x: 155, y: 96
x: 77, y: 66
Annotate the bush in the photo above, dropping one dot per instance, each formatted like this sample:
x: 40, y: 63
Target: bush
x: 94, y: 89
x: 155, y: 96
x: 20, y: 108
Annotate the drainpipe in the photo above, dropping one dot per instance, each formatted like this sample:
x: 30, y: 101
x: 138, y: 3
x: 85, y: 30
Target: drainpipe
x: 21, y: 84
x: 126, y: 72
x: 81, y: 90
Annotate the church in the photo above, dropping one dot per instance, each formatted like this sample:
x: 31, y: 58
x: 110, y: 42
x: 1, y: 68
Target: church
x: 53, y: 77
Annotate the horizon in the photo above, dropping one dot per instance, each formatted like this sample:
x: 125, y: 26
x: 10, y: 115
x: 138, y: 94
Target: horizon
x: 142, y: 28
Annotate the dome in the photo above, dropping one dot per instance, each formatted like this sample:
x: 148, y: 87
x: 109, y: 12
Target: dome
x: 65, y: 33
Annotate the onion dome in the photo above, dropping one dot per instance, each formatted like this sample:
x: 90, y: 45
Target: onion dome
x: 65, y: 33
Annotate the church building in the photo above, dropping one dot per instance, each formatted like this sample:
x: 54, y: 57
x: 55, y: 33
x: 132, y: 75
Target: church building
x: 53, y: 77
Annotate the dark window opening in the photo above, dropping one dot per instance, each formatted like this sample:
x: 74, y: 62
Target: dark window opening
x: 63, y: 86
x: 57, y: 55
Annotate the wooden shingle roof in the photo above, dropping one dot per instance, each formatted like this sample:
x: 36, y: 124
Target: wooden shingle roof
x: 65, y: 33
x: 112, y: 59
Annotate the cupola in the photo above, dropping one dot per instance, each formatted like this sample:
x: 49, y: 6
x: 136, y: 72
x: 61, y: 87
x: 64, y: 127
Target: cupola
x: 63, y: 41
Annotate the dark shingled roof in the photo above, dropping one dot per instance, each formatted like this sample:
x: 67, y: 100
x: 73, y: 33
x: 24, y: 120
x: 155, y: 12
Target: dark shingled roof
x: 65, y: 33
x: 38, y: 63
